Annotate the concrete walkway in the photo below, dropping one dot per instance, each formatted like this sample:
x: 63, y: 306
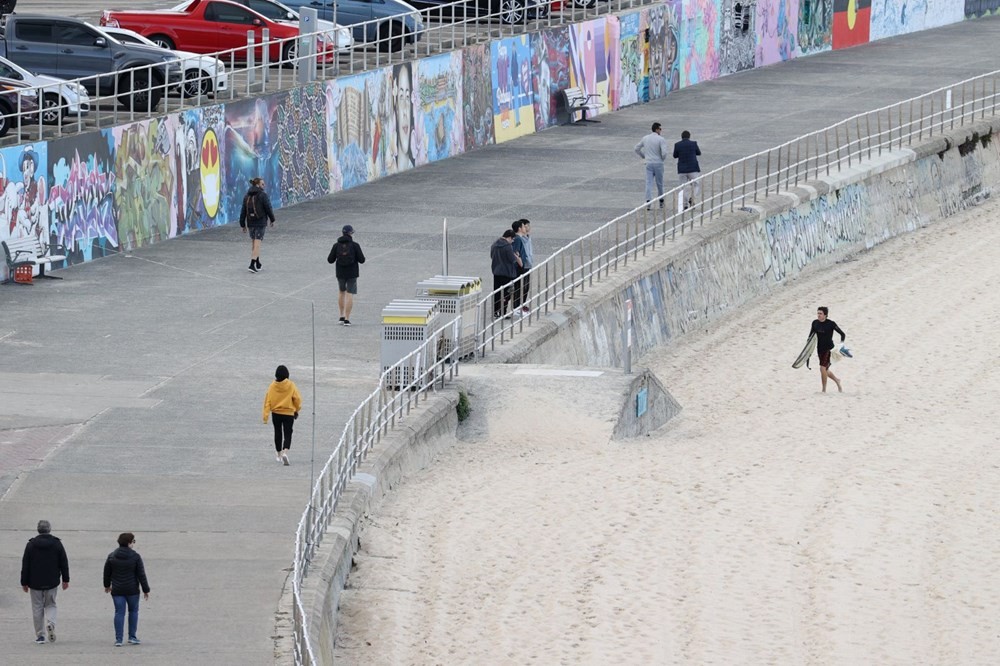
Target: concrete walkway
x: 130, y: 393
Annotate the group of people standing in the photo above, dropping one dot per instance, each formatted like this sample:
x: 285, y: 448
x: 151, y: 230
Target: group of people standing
x: 45, y: 568
x: 655, y: 150
x: 512, y: 256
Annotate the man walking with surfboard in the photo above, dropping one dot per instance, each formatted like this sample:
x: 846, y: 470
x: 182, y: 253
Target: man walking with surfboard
x: 824, y: 328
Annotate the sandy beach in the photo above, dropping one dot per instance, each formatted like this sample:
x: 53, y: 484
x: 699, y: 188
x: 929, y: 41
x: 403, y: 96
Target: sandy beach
x: 768, y: 524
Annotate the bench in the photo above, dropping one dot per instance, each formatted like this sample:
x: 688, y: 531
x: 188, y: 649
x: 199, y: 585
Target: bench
x: 578, y: 101
x: 30, y: 251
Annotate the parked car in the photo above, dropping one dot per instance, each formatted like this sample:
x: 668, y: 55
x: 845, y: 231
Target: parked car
x: 211, y: 26
x: 507, y: 11
x: 18, y: 104
x: 278, y: 12
x: 60, y: 98
x: 403, y: 24
x: 203, y: 75
x: 71, y: 49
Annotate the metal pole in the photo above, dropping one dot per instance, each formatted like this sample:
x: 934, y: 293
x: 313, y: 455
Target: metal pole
x: 627, y: 337
x: 444, y: 249
x: 312, y: 454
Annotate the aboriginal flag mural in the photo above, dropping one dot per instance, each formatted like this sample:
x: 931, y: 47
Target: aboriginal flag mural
x: 851, y: 22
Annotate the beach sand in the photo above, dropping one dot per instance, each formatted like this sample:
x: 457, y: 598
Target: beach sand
x: 768, y: 524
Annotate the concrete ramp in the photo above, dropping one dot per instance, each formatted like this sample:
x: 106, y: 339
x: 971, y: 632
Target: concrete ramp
x: 625, y: 405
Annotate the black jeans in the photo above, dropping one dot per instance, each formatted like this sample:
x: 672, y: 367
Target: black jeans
x: 282, y: 425
x: 520, y: 295
x: 502, y: 297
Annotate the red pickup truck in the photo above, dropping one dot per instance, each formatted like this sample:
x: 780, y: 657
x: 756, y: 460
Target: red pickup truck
x: 211, y: 26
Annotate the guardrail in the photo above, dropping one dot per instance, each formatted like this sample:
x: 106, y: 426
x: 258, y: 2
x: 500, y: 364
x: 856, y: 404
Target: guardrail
x: 399, y: 389
x: 246, y: 71
x: 577, y: 266
x: 580, y: 264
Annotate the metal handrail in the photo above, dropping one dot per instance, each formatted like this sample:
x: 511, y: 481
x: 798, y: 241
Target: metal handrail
x: 586, y: 260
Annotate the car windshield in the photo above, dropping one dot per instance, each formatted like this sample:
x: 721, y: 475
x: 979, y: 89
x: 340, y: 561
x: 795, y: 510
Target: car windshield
x: 105, y: 35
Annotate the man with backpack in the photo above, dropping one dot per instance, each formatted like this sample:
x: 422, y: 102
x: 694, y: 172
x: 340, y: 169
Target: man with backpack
x: 254, y: 215
x: 347, y: 255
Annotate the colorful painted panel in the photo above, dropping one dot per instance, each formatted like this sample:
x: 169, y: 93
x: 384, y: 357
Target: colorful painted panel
x: 477, y: 101
x: 776, y: 26
x: 664, y: 50
x: 979, y: 8
x: 815, y: 26
x: 897, y: 17
x: 588, y: 69
x: 439, y: 127
x: 24, y: 194
x: 736, y: 36
x: 301, y: 139
x: 145, y: 196
x: 550, y: 64
x: 513, y: 112
x: 199, y: 159
x: 250, y: 147
x: 81, y: 196
x: 362, y: 144
x: 632, y: 60
x: 613, y: 60
x: 699, y: 42
x: 851, y: 22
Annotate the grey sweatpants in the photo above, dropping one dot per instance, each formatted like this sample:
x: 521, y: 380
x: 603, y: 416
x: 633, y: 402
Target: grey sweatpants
x: 43, y: 608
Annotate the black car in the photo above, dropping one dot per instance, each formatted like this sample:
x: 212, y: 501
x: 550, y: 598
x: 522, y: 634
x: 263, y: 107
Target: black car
x: 507, y: 11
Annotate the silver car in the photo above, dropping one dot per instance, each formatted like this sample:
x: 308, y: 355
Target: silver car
x: 60, y: 98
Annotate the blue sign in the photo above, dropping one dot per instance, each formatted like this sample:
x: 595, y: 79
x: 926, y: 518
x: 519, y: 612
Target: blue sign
x: 640, y: 402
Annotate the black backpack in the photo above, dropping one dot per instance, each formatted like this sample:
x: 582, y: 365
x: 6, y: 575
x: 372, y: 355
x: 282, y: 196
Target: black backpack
x: 253, y: 206
x: 342, y: 254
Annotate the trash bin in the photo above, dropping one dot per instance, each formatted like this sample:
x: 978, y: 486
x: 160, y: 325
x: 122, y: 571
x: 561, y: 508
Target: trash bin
x: 407, y: 324
x: 456, y: 295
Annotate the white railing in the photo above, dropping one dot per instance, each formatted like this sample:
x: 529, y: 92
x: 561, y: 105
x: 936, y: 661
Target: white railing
x: 579, y: 265
x: 275, y: 64
x: 399, y: 389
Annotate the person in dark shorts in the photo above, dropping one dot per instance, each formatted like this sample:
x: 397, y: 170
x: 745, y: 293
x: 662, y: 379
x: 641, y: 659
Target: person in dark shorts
x: 347, y: 256
x: 824, y: 329
x: 282, y: 403
x: 254, y: 216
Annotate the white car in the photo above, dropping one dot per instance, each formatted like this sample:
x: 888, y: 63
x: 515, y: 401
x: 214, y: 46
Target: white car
x: 60, y: 98
x: 276, y: 11
x: 202, y: 74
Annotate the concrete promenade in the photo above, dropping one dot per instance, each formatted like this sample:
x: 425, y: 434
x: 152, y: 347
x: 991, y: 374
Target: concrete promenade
x: 130, y: 393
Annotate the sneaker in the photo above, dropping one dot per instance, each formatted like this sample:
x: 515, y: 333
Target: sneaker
x: 253, y: 267
x: 278, y: 456
x: 346, y: 322
x: 134, y: 641
x: 51, y: 628
x: 259, y: 267
x: 118, y: 643
x: 284, y: 459
x: 341, y: 320
x: 40, y: 640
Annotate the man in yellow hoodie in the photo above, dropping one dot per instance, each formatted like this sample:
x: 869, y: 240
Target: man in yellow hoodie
x: 282, y: 402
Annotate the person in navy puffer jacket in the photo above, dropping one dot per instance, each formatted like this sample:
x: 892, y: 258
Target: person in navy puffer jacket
x: 686, y: 153
x: 124, y: 574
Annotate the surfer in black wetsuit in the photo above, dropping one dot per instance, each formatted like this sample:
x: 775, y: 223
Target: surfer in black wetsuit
x: 824, y: 329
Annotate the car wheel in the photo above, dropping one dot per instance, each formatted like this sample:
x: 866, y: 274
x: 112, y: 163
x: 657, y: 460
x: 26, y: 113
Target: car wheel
x: 51, y: 109
x: 512, y: 11
x: 390, y: 37
x: 4, y: 121
x: 196, y: 82
x: 289, y: 52
x: 584, y: 4
x: 143, y: 98
x: 165, y: 42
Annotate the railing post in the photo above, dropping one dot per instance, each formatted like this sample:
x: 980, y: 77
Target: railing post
x: 250, y: 69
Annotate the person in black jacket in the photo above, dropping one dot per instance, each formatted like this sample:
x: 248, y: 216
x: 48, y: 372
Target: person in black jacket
x: 43, y: 564
x: 686, y: 153
x: 254, y: 215
x: 124, y: 574
x: 504, y: 264
x: 347, y: 255
x: 824, y: 328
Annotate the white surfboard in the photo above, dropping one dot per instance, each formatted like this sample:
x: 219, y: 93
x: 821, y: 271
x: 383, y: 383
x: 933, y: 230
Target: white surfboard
x: 806, y: 352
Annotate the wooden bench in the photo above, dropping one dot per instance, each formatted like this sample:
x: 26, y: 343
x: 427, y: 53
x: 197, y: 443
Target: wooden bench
x: 578, y: 101
x: 30, y: 251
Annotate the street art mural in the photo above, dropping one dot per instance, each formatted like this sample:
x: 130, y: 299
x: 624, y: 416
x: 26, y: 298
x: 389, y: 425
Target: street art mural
x: 851, y: 23
x: 777, y: 22
x: 301, y: 144
x: 897, y: 17
x: 613, y: 60
x: 663, y: 50
x: 587, y: 65
x: 361, y: 128
x: 632, y: 61
x: 550, y: 65
x: 81, y: 196
x: 477, y: 100
x: 198, y: 163
x: 815, y: 26
x: 980, y: 8
x: 438, y: 108
x: 24, y: 192
x: 409, y: 144
x: 699, y: 45
x: 513, y: 98
x: 145, y: 195
x: 250, y: 147
x: 736, y: 36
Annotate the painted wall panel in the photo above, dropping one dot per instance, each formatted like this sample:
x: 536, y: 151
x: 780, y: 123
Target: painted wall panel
x: 199, y: 159
x: 145, y: 195
x: 301, y: 144
x: 550, y: 64
x: 898, y: 17
x: 777, y: 31
x: 980, y: 8
x: 699, y: 42
x: 664, y: 53
x: 250, y: 149
x: 513, y: 108
x: 24, y: 194
x: 477, y: 98
x: 632, y: 60
x: 438, y: 108
x: 815, y: 26
x: 851, y: 23
x: 737, y: 36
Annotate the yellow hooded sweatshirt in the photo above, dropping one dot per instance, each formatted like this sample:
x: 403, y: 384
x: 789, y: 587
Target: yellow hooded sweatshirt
x: 282, y: 398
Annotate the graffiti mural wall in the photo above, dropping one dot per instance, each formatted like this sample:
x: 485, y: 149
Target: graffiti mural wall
x: 550, y: 67
x: 301, y: 144
x: 851, y: 22
x: 438, y: 108
x: 198, y: 158
x: 776, y: 28
x: 145, y: 195
x: 664, y: 53
x: 737, y: 35
x: 699, y: 42
x: 632, y: 61
x: 477, y: 102
x: 980, y: 8
x: 24, y: 193
x: 513, y: 97
x: 250, y: 149
x: 897, y: 17
x: 815, y: 26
